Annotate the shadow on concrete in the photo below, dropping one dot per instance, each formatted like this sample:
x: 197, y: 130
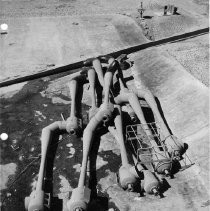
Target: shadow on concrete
x: 56, y: 203
x: 97, y: 203
x: 148, y: 17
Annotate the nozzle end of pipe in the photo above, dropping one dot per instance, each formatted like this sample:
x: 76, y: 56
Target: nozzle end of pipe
x: 133, y: 119
x: 105, y: 118
x: 72, y: 132
x: 130, y: 187
x: 156, y: 192
x: 167, y: 173
x: 177, y: 156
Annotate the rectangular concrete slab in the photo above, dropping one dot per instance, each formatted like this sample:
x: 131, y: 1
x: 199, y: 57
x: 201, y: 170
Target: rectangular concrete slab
x: 37, y: 44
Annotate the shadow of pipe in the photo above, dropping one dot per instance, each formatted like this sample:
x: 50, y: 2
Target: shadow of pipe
x: 97, y: 203
x: 162, y: 114
x: 81, y: 81
x: 164, y: 185
x: 99, y: 92
x: 56, y: 204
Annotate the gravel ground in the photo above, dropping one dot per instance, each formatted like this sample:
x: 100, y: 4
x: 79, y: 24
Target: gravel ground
x: 193, y: 54
x: 26, y: 8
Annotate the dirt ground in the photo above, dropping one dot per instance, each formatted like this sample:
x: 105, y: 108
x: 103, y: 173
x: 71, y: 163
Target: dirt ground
x: 28, y: 107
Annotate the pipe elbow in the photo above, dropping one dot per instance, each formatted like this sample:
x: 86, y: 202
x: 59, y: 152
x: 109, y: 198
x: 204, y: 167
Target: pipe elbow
x: 91, y: 127
x: 122, y: 97
x: 118, y: 100
x: 73, y: 125
x: 132, y: 96
x: 52, y: 127
x: 105, y: 112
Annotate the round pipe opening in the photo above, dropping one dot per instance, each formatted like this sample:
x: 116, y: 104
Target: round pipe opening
x: 105, y: 118
x: 133, y: 119
x: 155, y: 191
x: 72, y: 132
x: 130, y: 187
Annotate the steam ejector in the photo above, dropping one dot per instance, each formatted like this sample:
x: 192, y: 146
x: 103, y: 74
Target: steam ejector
x: 140, y: 138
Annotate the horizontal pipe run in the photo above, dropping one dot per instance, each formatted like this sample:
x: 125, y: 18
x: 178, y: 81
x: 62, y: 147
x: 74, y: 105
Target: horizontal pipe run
x: 71, y: 67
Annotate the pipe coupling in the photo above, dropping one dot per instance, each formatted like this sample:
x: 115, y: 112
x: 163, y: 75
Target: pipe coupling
x: 73, y: 125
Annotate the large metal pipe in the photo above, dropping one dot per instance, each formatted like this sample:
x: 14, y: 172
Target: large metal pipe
x: 161, y: 161
x: 78, y: 199
x: 96, y: 64
x: 176, y: 147
x: 107, y: 105
x: 131, y: 113
x: 149, y: 182
x: 127, y: 96
x: 92, y: 77
x: 74, y: 124
x: 81, y: 195
x: 36, y: 201
x: 126, y: 177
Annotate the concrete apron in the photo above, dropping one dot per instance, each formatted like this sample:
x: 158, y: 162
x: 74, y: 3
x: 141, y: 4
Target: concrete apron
x: 38, y: 44
x: 185, y: 102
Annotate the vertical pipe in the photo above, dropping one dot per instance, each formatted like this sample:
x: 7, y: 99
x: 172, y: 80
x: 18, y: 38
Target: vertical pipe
x: 73, y: 90
x: 121, y: 141
x: 107, y: 84
x: 91, y: 78
x: 45, y: 141
x: 98, y: 68
x: 148, y: 96
x: 37, y: 198
x: 87, y: 139
x: 134, y: 102
x: 131, y: 113
x: 175, y: 147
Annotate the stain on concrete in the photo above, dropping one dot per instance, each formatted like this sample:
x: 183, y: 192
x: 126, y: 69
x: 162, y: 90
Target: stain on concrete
x: 6, y: 171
